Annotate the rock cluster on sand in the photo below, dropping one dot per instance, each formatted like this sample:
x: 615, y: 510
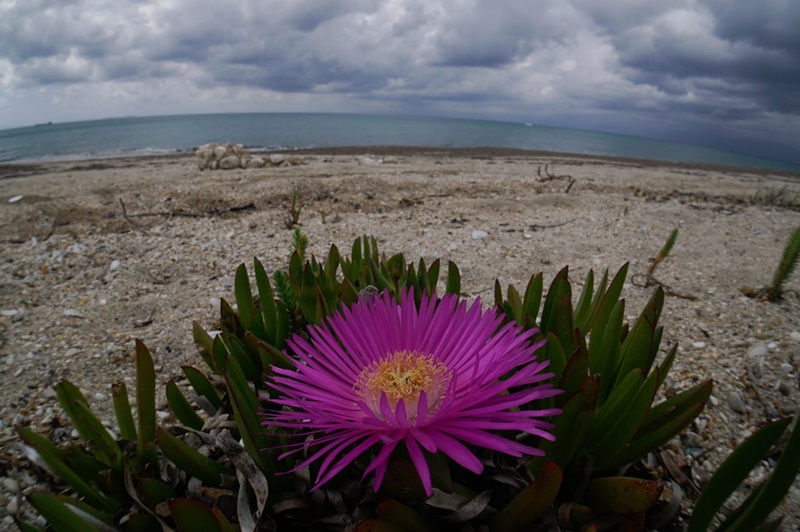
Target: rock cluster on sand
x: 228, y: 156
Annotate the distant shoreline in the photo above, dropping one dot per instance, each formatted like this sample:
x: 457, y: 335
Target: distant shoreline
x: 12, y: 169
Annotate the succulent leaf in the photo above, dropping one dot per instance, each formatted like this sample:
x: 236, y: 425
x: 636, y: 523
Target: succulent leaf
x: 146, y: 405
x: 532, y: 502
x: 776, y: 487
x: 622, y: 495
x: 122, y: 409
x: 191, y: 515
x: 202, y: 386
x: 245, y: 409
x: 732, y: 473
x: 53, y: 457
x: 57, y: 514
x: 189, y: 460
x: 181, y: 408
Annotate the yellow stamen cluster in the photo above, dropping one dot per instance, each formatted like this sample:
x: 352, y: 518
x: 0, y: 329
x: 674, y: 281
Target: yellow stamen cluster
x: 403, y: 375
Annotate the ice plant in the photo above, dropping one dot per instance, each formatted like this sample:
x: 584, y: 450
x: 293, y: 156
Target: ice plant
x: 443, y: 378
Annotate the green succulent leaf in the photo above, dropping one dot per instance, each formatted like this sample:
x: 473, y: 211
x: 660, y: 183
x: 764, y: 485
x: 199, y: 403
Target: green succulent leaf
x: 663, y: 423
x: 77, y: 479
x: 627, y: 423
x: 245, y: 409
x: 585, y: 301
x: 622, y: 495
x: 202, y: 386
x: 181, y: 408
x: 776, y: 487
x: 269, y: 311
x: 244, y: 295
x: 205, y: 345
x: 532, y: 299
x: 146, y: 404
x: 153, y: 491
x: 733, y: 471
x: 453, y: 285
x: 122, y: 409
x: 639, y: 348
x: 191, y: 515
x: 532, y: 502
x: 189, y: 460
x: 57, y: 514
x: 88, y: 425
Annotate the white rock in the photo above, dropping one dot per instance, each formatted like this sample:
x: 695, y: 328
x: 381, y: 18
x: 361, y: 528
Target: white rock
x: 794, y: 335
x: 477, y: 234
x: 369, y: 161
x: 772, y: 345
x: 277, y: 158
x: 72, y: 313
x: 736, y: 403
x: 788, y: 368
x: 256, y: 162
x: 114, y: 265
x: 758, y: 350
x: 220, y: 151
x: 14, y: 199
x: 698, y: 345
x: 230, y: 162
x: 10, y: 312
x: 11, y: 484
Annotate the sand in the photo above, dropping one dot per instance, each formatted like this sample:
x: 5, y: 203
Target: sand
x: 97, y: 253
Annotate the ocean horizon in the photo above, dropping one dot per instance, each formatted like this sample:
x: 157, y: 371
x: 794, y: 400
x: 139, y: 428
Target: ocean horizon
x: 154, y: 135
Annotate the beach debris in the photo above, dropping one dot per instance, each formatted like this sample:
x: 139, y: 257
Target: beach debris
x: 551, y: 176
x: 15, y: 199
x: 229, y: 156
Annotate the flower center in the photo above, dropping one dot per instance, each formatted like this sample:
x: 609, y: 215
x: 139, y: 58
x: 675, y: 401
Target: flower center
x: 403, y: 375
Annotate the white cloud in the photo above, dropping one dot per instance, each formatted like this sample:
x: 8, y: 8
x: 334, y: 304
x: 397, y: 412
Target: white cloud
x: 666, y: 66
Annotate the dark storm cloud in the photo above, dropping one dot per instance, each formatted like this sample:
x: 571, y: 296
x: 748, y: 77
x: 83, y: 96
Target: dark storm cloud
x: 667, y: 64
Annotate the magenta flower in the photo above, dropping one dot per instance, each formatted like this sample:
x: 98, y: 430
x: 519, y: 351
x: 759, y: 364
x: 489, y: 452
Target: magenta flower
x: 381, y: 373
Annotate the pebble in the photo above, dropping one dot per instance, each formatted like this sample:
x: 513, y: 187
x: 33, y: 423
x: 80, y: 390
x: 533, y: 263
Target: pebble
x: 72, y: 313
x: 477, y: 234
x: 114, y: 265
x: 15, y: 199
x: 11, y: 484
x: 736, y: 403
x: 698, y: 345
x: 71, y: 352
x: 795, y: 336
x: 758, y: 350
x: 10, y: 313
x: 788, y: 368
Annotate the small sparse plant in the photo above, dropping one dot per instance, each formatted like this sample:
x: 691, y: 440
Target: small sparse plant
x: 787, y: 265
x: 777, y: 197
x: 662, y: 254
x: 293, y: 214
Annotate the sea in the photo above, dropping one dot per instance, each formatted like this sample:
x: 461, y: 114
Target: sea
x: 131, y: 136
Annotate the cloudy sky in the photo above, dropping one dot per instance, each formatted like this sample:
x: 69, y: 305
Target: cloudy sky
x: 714, y: 72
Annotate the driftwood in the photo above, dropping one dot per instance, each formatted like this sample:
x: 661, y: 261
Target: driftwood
x: 177, y: 213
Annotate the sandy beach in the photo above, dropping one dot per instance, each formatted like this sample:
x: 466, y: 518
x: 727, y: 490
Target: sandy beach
x: 98, y: 253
